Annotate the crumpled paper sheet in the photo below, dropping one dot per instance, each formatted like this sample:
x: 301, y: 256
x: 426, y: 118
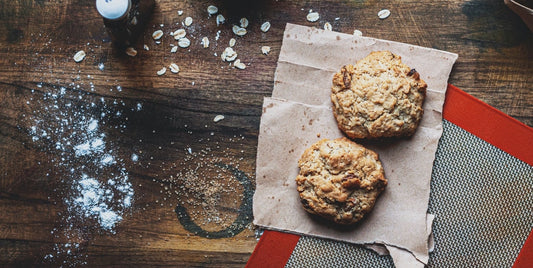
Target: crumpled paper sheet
x: 299, y: 114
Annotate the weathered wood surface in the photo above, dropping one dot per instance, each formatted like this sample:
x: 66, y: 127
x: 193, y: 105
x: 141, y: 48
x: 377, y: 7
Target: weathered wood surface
x: 192, y: 178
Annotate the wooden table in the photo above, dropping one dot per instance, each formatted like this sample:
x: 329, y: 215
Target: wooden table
x: 110, y: 122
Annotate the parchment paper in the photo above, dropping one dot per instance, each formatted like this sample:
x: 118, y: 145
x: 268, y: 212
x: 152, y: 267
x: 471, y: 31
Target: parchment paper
x: 299, y: 114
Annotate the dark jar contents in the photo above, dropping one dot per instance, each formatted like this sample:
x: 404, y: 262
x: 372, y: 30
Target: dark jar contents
x: 125, y: 20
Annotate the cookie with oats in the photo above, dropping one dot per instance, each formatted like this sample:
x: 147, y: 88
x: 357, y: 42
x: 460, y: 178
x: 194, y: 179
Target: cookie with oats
x: 339, y: 180
x: 377, y: 97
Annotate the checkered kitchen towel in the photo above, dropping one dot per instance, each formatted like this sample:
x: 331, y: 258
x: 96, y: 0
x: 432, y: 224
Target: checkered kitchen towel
x: 481, y: 195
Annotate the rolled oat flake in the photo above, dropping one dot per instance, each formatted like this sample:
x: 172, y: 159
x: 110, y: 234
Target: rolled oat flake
x: 313, y: 16
x: 184, y: 42
x: 79, y: 56
x: 188, y: 21
x: 212, y: 10
x: 265, y: 27
x: 174, y: 68
x: 383, y: 14
x: 162, y: 71
x: 327, y: 26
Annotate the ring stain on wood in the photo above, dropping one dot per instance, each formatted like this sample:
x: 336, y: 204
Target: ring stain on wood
x: 239, y: 224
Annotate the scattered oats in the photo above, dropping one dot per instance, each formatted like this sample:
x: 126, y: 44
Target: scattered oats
x: 179, y: 33
x: 228, y: 54
x: 174, y: 49
x: 180, y: 12
x: 158, y: 42
x: 188, y: 21
x: 130, y: 51
x: 79, y: 56
x: 337, y: 18
x: 357, y: 33
x: 383, y: 14
x: 265, y: 27
x: 184, y: 42
x: 146, y: 47
x: 212, y: 10
x: 239, y: 64
x: 327, y: 26
x: 232, y: 42
x: 174, y: 68
x: 157, y: 35
x: 244, y: 22
x: 162, y: 71
x: 265, y: 49
x: 205, y: 42
x: 218, y: 118
x: 238, y: 30
x: 220, y: 19
x: 313, y: 16
x: 218, y: 35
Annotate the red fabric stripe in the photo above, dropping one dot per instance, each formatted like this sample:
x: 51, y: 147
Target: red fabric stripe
x: 273, y: 250
x: 489, y: 124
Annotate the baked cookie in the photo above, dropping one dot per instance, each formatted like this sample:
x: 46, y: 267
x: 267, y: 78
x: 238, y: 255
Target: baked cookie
x: 378, y: 97
x: 339, y: 180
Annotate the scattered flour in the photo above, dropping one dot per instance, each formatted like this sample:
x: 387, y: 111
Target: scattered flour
x: 92, y: 179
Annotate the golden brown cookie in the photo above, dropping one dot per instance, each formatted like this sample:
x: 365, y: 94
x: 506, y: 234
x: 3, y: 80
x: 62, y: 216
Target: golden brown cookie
x: 378, y: 97
x: 339, y: 180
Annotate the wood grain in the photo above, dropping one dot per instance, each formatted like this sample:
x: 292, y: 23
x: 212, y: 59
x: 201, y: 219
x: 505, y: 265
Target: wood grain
x: 38, y: 40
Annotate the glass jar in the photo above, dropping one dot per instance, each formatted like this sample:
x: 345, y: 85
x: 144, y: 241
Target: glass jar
x: 125, y: 20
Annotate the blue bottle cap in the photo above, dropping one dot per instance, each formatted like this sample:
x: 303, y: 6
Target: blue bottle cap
x: 113, y: 9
